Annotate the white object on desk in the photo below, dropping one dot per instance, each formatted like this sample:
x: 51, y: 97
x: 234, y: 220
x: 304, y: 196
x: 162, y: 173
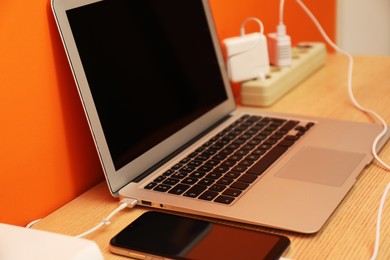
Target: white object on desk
x: 22, y: 243
x: 247, y: 57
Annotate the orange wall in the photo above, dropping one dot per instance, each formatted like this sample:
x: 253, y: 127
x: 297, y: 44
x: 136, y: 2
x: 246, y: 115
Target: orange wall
x: 47, y: 156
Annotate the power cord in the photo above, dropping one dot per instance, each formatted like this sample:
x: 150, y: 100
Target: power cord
x: 125, y: 203
x: 378, y: 222
x: 32, y: 223
x: 369, y: 112
x: 280, y: 43
x: 130, y: 203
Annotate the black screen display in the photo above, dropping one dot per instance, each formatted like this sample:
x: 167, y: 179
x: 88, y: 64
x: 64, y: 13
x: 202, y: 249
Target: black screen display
x: 151, y: 67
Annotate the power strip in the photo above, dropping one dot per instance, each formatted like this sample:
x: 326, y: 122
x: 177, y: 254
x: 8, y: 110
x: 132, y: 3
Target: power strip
x: 307, y: 58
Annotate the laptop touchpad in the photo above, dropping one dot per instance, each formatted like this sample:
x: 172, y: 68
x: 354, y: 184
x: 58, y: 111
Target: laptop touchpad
x: 321, y: 166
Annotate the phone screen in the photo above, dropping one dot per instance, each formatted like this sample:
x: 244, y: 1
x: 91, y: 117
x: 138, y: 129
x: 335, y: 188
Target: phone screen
x: 161, y: 234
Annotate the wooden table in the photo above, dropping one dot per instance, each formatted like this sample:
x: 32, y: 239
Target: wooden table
x: 349, y: 233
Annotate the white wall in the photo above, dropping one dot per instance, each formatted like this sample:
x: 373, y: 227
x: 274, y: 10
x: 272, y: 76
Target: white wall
x: 363, y: 26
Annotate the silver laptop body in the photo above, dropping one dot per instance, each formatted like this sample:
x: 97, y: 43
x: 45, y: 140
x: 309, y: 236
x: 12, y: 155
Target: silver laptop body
x: 152, y: 80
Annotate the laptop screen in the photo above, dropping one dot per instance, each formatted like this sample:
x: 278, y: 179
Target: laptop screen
x: 151, y: 68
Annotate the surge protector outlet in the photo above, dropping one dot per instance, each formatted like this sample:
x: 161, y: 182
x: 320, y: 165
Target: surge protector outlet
x: 307, y: 58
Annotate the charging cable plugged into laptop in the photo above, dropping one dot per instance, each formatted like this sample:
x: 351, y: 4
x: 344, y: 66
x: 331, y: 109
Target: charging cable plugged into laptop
x: 125, y: 203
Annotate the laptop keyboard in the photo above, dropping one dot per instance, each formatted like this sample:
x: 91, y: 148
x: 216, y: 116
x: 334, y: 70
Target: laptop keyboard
x: 225, y: 166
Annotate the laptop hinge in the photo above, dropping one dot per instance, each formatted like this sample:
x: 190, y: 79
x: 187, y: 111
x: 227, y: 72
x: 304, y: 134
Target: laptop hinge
x: 179, y: 150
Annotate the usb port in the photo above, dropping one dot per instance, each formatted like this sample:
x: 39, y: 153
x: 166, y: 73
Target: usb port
x: 146, y: 203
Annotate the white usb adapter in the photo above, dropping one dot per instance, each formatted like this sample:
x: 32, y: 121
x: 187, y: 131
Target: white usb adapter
x: 279, y: 44
x: 247, y: 55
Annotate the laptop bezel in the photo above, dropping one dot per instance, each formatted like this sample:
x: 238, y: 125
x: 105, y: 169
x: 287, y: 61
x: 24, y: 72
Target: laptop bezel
x: 117, y: 179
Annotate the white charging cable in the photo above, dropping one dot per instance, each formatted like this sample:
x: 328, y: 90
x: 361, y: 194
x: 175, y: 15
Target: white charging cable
x: 281, y: 28
x: 106, y: 221
x: 251, y: 19
x: 369, y: 112
x: 125, y: 203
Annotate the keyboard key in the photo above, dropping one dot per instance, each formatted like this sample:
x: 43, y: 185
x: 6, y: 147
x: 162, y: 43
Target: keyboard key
x: 260, y: 166
x: 209, y: 152
x: 247, y: 178
x: 197, y: 174
x: 189, y: 181
x: 232, y: 192
x: 208, y: 195
x: 248, y: 147
x: 254, y: 142
x: 159, y: 179
x: 179, y: 189
x: 171, y: 181
x: 202, y: 158
x: 194, y: 191
x: 241, y: 152
x: 246, y: 163
x: 300, y: 128
x: 309, y: 125
x: 260, y: 137
x: 185, y: 160
x: 221, y: 169
x: 266, y: 132
x: 235, y: 158
x: 177, y: 166
x: 286, y: 143
x: 239, y: 185
x: 212, y: 163
x: 289, y: 125
x: 162, y: 187
x: 206, y: 182
x: 194, y: 163
x: 239, y: 168
x: 228, y: 163
x: 225, y: 181
x: 270, y: 141
x: 214, y: 175
x: 265, y: 146
x: 205, y: 168
x: 239, y: 141
x: 224, y: 199
x: 150, y: 186
x: 254, y: 118
x: 187, y: 169
x: 192, y: 155
x: 219, y: 157
x: 232, y: 175
x: 227, y: 151
x: 252, y: 157
x: 179, y: 175
x: 259, y: 152
x: 291, y: 137
x: 169, y: 172
x: 217, y: 187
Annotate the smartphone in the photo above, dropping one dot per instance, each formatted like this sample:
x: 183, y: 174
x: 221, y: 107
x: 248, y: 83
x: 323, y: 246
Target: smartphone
x: 158, y: 235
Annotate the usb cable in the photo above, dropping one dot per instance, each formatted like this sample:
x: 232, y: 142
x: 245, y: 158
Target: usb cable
x: 125, y: 203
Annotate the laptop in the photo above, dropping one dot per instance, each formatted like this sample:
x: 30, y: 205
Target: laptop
x: 153, y: 83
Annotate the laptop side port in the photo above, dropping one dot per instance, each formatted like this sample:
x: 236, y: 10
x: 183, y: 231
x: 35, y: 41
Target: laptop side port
x: 146, y: 203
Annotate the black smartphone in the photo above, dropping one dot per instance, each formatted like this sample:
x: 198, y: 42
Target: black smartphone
x: 157, y: 235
